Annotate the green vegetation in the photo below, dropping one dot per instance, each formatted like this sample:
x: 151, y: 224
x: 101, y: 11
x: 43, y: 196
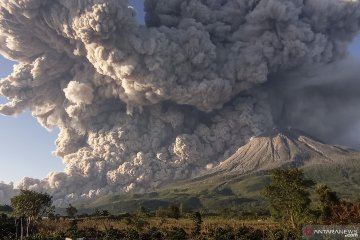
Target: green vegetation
x: 189, y: 226
x: 31, y: 205
x: 239, y: 195
x: 7, y: 227
x: 197, y: 220
x: 71, y: 211
x: 327, y: 199
x: 270, y: 205
x: 288, y: 195
x: 171, y: 212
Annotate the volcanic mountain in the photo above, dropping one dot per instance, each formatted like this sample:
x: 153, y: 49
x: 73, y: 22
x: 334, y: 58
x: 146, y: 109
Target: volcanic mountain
x: 241, y: 178
x: 286, y: 147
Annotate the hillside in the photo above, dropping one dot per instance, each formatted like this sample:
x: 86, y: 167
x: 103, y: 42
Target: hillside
x: 287, y: 147
x: 239, y: 180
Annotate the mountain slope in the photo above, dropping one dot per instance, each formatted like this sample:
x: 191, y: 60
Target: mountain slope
x: 277, y: 148
x: 240, y: 179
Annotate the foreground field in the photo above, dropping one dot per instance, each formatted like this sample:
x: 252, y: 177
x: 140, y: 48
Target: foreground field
x: 141, y: 223
x: 292, y: 202
x: 144, y: 227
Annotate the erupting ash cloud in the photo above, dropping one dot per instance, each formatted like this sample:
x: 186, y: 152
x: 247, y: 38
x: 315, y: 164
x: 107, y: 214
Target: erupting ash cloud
x: 322, y: 101
x: 139, y: 105
x: 6, y: 192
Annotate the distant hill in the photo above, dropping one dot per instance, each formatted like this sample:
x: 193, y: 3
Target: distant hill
x: 240, y: 179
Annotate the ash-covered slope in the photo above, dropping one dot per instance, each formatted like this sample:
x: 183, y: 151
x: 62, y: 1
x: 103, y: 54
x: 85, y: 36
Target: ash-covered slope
x: 240, y: 178
x: 277, y: 148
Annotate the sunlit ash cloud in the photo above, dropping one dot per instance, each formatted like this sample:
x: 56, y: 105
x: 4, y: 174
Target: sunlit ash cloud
x: 142, y: 105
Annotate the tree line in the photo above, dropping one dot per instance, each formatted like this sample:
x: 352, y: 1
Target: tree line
x: 290, y: 197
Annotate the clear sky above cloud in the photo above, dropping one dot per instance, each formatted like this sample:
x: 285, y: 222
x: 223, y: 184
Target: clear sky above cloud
x: 34, y: 158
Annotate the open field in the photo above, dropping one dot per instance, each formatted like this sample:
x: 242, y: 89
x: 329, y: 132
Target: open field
x: 133, y: 227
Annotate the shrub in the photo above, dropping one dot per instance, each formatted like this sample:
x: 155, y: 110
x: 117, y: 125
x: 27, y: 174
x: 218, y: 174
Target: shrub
x: 113, y: 234
x: 176, y: 234
x: 245, y: 233
x: 7, y: 227
x: 197, y: 221
x: 171, y: 212
x: 222, y: 234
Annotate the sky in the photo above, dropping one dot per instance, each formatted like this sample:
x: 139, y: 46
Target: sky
x: 26, y: 147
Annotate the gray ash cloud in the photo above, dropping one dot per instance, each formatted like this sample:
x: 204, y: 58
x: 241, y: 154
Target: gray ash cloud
x: 140, y: 105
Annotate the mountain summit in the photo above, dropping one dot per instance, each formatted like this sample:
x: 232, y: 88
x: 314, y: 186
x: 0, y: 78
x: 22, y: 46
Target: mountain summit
x: 283, y: 147
x: 242, y: 177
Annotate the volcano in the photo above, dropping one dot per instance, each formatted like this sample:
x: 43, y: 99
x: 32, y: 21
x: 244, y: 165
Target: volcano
x: 242, y: 177
x: 284, y: 148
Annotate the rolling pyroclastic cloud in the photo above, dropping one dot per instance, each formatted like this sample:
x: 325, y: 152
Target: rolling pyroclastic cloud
x: 142, y: 105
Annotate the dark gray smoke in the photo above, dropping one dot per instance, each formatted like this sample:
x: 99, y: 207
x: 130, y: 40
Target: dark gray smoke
x: 138, y: 105
x: 323, y: 102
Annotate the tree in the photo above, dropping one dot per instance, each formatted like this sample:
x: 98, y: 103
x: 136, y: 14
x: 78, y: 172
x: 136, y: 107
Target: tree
x: 197, y: 221
x: 105, y: 213
x: 345, y: 213
x: 97, y: 212
x: 71, y: 211
x: 174, y: 211
x: 7, y: 227
x: 327, y: 199
x: 288, y: 196
x: 142, y: 212
x: 32, y: 205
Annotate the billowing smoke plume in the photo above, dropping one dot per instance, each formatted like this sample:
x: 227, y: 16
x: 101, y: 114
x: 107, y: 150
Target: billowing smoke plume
x: 6, y: 192
x: 139, y: 105
x: 323, y: 102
